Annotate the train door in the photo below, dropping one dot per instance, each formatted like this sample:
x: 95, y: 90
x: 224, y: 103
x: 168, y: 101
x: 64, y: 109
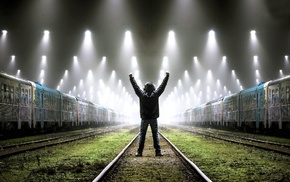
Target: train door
x: 25, y: 104
x: 257, y: 109
x: 38, y: 105
x: 260, y: 112
x: 285, y: 104
x: 274, y: 105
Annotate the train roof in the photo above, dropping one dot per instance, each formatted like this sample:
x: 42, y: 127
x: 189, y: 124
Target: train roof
x: 279, y: 80
x: 8, y: 76
x: 259, y: 86
x: 215, y: 100
x: 40, y: 86
x: 231, y: 96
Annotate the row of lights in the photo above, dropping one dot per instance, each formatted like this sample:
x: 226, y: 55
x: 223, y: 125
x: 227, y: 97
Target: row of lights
x: 128, y: 33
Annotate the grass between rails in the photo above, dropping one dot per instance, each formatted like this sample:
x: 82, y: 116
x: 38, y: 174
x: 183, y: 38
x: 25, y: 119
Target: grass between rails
x: 77, y: 161
x: 223, y: 161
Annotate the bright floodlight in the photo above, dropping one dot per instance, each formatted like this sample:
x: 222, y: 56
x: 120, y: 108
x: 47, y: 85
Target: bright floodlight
x: 88, y: 33
x: 233, y: 73
x: 88, y: 39
x: 171, y: 38
x: 12, y: 58
x: 165, y: 62
x: 4, y: 32
x: 253, y: 36
x: 42, y: 72
x: 104, y: 59
x: 211, y: 39
x: 127, y: 33
x: 255, y: 60
x: 128, y: 38
x: 134, y: 62
x: 46, y: 36
x: 43, y: 60
x: 209, y: 73
x: 18, y: 73
x: 253, y: 32
x: 281, y: 73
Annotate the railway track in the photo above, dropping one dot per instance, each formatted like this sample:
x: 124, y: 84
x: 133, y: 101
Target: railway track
x: 247, y: 141
x: 173, y: 166
x: 18, y: 148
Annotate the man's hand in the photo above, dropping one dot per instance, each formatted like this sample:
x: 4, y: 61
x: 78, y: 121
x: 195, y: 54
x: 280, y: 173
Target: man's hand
x: 130, y: 75
x: 167, y: 73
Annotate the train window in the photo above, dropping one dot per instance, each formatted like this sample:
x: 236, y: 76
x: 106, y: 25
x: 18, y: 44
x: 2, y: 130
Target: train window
x: 29, y: 96
x: 2, y: 93
x: 16, y: 100
x: 26, y: 96
x: 7, y: 94
x: 273, y: 98
x: 44, y: 100
x: 22, y: 95
x: 287, y: 94
x: 276, y: 96
x: 12, y: 94
x: 282, y: 96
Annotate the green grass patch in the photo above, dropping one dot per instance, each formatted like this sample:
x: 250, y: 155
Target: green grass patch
x: 223, y: 161
x: 77, y: 161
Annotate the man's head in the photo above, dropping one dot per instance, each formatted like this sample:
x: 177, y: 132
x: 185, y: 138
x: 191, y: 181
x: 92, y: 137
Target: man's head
x: 149, y: 87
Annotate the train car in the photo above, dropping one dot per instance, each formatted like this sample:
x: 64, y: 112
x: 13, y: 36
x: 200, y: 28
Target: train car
x: 110, y: 119
x: 93, y: 113
x: 253, y: 106
x: 16, y: 107
x: 266, y: 105
x: 30, y: 105
x: 206, y: 114
x: 278, y: 94
x: 47, y: 106
x: 217, y: 111
x: 187, y: 117
x: 68, y: 110
x: 103, y: 115
x: 83, y: 107
x: 197, y: 115
x: 231, y: 110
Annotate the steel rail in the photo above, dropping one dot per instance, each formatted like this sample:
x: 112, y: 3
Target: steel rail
x: 189, y: 162
x: 106, y: 170
x: 240, y: 142
x: 43, y: 140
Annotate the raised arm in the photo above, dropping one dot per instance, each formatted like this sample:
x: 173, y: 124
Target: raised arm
x: 161, y: 88
x: 136, y: 88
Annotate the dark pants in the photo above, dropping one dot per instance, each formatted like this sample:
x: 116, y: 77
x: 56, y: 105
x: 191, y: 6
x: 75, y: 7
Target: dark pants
x: 143, y: 129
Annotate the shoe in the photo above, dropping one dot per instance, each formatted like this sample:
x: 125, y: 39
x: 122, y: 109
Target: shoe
x: 158, y: 154
x: 138, y: 154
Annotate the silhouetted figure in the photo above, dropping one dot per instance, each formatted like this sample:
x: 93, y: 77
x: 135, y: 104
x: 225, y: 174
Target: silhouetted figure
x: 149, y: 111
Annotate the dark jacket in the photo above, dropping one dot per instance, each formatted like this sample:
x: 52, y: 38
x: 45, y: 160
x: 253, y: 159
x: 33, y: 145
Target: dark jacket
x: 149, y: 103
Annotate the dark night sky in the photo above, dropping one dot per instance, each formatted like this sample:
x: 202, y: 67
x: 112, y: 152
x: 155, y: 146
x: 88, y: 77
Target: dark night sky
x: 149, y: 22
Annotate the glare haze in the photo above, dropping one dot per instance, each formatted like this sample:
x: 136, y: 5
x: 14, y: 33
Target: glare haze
x: 211, y: 48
